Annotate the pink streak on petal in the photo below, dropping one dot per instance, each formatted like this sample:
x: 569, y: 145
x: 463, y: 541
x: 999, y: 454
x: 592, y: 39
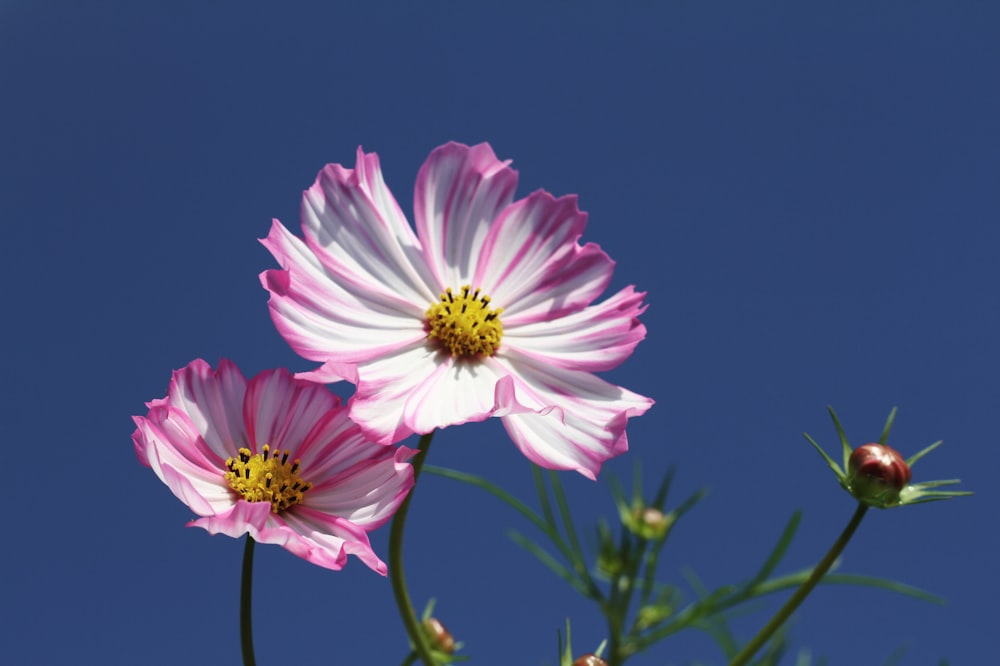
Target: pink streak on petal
x: 242, y: 518
x: 367, y: 492
x: 184, y: 490
x: 580, y: 419
x: 330, y: 373
x: 212, y: 399
x: 596, y: 338
x: 383, y: 388
x: 459, y: 192
x: 167, y: 438
x: 327, y: 540
x: 320, y: 319
x: 531, y: 259
x: 566, y: 287
x: 280, y: 410
x: 355, y: 227
x: 457, y: 391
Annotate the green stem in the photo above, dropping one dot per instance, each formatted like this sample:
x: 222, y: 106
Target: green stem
x: 751, y: 648
x: 246, y: 590
x: 396, y: 576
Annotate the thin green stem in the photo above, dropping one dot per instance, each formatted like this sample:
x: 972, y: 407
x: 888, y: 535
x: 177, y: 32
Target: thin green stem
x: 410, y: 659
x: 751, y: 648
x: 246, y: 591
x: 396, y: 576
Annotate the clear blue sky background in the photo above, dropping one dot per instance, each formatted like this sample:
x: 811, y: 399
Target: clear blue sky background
x: 808, y: 194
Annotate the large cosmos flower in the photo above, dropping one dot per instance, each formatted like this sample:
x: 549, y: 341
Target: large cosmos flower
x: 485, y: 311
x: 276, y: 457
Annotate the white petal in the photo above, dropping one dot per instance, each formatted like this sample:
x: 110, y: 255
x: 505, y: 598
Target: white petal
x: 598, y: 337
x: 459, y: 193
x: 384, y: 385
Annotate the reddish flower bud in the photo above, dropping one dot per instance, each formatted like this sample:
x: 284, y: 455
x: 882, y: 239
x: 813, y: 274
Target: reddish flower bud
x: 876, y: 474
x: 441, y: 638
x: 589, y: 660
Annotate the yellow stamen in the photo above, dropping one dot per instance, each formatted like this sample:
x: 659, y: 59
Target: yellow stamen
x: 263, y: 477
x: 464, y: 325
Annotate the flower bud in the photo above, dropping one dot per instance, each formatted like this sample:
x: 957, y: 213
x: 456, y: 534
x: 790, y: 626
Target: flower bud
x: 876, y: 473
x: 648, y: 522
x: 589, y: 660
x: 441, y: 638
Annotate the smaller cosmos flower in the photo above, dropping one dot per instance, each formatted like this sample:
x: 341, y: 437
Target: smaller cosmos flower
x: 877, y: 475
x: 275, y: 457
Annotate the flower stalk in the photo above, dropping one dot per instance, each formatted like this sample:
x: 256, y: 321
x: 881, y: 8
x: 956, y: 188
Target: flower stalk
x: 775, y: 623
x: 418, y: 638
x: 246, y: 616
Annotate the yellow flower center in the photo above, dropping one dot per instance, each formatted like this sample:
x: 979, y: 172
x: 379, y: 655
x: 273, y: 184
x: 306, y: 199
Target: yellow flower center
x: 263, y: 477
x: 464, y: 324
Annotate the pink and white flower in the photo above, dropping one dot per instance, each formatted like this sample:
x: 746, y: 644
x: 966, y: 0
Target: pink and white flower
x: 487, y: 310
x: 276, y: 457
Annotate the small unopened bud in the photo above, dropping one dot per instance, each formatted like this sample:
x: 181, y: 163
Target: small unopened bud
x: 649, y: 522
x: 441, y: 638
x: 876, y: 474
x: 589, y: 660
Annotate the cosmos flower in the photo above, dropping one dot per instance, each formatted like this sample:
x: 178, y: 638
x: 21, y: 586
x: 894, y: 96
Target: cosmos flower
x: 486, y: 310
x: 275, y: 457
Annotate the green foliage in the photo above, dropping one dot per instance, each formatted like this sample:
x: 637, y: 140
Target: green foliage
x: 620, y: 577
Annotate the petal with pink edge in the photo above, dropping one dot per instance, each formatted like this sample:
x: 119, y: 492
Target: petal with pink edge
x: 383, y: 388
x: 355, y: 227
x: 320, y: 319
x: 599, y: 337
x: 459, y: 193
x: 579, y: 420
x: 281, y: 411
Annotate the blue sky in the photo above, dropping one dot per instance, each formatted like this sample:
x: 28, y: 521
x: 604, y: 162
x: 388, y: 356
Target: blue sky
x: 808, y: 195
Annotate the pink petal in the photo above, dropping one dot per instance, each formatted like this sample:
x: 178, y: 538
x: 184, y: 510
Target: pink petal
x: 459, y: 192
x: 367, y: 492
x: 178, y: 455
x: 330, y: 373
x: 457, y: 391
x: 327, y: 540
x: 531, y: 264
x: 578, y: 421
x: 596, y: 338
x: 320, y: 319
x: 281, y: 411
x: 212, y: 400
x: 384, y: 385
x: 355, y: 227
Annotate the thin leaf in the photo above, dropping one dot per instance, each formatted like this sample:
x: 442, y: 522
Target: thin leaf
x: 489, y: 487
x: 552, y: 563
x: 920, y: 454
x: 844, y: 444
x: 575, y: 555
x: 779, y: 549
x: 829, y: 461
x: 660, y: 498
x: 888, y: 426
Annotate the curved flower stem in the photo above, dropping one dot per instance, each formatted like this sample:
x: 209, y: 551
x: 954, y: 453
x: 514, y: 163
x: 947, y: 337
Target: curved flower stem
x: 751, y: 648
x: 406, y: 612
x: 246, y: 589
